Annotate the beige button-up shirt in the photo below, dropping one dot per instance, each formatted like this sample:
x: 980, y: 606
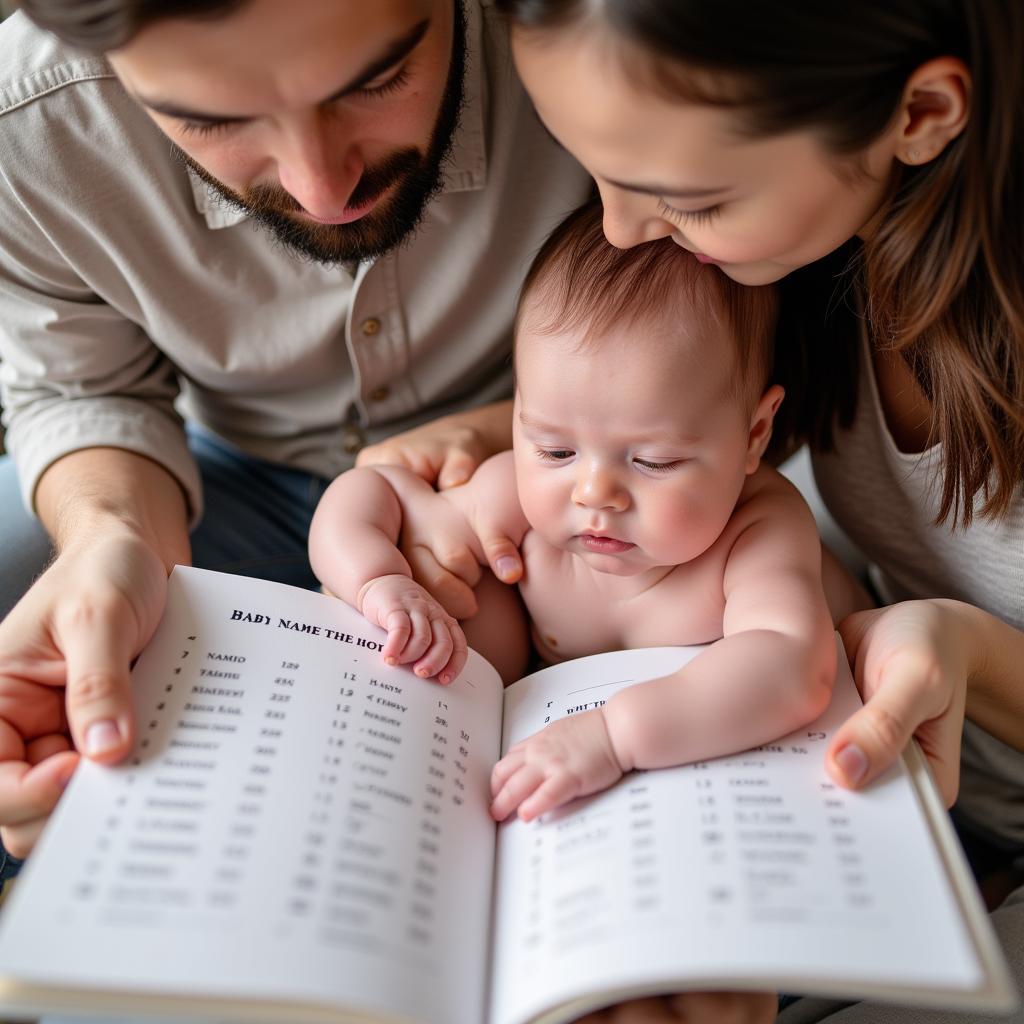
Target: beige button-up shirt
x: 130, y: 298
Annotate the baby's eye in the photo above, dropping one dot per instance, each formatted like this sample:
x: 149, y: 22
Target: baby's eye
x: 555, y: 454
x: 659, y: 467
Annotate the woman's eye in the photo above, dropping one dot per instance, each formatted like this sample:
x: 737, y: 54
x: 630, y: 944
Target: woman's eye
x: 658, y: 467
x: 689, y: 216
x: 555, y: 454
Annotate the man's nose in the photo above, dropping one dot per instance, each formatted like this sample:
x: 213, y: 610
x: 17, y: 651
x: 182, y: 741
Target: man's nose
x: 319, y: 167
x: 599, y: 487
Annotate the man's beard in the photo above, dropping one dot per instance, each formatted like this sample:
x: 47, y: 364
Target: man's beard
x: 413, y: 176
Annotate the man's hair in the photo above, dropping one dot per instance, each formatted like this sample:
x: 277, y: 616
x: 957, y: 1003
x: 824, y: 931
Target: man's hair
x: 102, y: 25
x: 584, y: 282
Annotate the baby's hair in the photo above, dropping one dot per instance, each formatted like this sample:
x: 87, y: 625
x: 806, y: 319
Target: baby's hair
x: 586, y: 282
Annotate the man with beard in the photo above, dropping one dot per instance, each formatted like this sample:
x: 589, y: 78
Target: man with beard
x: 241, y: 241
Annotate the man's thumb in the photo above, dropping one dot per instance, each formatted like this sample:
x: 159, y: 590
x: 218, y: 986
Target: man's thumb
x: 98, y: 690
x: 503, y: 558
x: 457, y: 468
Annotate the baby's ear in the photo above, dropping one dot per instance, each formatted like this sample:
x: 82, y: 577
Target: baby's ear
x: 761, y: 421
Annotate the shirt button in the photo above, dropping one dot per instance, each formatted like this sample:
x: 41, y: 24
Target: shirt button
x: 379, y: 394
x: 352, y: 441
x: 371, y: 326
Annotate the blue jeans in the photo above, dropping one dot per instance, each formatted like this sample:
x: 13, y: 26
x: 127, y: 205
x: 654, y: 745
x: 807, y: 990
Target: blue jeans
x: 256, y: 521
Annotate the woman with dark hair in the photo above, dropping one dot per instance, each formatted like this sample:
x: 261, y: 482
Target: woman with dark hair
x: 870, y: 157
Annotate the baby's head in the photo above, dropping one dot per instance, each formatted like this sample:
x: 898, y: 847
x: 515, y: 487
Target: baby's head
x: 642, y: 397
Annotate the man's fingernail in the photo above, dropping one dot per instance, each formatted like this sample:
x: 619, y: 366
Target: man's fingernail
x: 853, y: 762
x: 101, y: 737
x: 507, y: 566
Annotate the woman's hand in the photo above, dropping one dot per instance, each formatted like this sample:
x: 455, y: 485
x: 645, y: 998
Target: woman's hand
x: 911, y: 662
x: 692, y: 1008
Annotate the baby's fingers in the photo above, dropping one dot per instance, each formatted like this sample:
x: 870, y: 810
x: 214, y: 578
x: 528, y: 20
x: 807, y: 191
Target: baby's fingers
x: 418, y: 641
x: 399, y: 627
x: 457, y: 661
x: 557, y: 790
x: 515, y: 790
x: 438, y: 653
x: 506, y: 768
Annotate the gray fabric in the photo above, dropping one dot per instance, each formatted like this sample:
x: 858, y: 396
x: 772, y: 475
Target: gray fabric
x: 129, y: 298
x: 885, y: 500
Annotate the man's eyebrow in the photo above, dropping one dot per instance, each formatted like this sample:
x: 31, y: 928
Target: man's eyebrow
x: 395, y: 52
x: 669, y: 190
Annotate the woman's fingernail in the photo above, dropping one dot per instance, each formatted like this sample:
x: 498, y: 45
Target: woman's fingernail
x: 853, y: 762
x: 101, y: 737
x: 507, y: 566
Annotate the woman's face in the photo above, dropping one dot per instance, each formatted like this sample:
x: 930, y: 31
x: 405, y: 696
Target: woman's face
x: 758, y: 207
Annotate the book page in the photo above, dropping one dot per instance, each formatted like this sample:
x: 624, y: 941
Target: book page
x: 299, y: 821
x: 753, y: 870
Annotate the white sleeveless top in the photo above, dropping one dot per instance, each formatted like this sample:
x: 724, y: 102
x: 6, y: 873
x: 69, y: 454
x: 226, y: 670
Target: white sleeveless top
x: 886, y: 501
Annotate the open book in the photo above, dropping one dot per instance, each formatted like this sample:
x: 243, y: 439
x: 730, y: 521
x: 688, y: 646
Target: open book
x: 302, y: 835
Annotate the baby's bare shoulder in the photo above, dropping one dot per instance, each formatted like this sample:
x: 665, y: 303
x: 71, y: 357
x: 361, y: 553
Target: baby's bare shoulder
x: 768, y: 495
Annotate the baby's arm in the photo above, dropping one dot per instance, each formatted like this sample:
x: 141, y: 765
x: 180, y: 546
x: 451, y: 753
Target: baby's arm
x: 352, y: 548
x: 770, y: 673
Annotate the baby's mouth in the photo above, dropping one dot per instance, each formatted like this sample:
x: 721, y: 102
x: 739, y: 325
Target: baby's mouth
x: 604, y: 545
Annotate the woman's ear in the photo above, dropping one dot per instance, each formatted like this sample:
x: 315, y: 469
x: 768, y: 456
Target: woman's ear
x: 761, y: 421
x: 934, y: 110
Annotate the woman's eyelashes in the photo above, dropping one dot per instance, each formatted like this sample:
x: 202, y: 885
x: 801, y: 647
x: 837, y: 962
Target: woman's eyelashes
x: 689, y: 216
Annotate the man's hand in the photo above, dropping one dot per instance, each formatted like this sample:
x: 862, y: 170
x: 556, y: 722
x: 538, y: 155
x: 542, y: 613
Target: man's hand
x: 419, y: 629
x: 78, y: 627
x: 911, y: 663
x: 446, y: 453
x: 566, y: 759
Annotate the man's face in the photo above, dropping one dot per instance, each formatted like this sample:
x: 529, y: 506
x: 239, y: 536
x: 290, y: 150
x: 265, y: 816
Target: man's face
x: 328, y: 121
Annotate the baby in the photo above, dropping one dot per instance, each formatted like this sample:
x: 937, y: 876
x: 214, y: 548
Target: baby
x: 644, y: 514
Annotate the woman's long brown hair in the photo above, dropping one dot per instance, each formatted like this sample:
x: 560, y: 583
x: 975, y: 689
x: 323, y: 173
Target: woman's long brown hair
x: 942, y: 279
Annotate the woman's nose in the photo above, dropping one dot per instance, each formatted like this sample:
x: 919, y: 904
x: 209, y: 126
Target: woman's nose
x: 631, y: 219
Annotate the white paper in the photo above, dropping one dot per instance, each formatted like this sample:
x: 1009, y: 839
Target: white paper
x: 749, y: 867
x: 299, y: 821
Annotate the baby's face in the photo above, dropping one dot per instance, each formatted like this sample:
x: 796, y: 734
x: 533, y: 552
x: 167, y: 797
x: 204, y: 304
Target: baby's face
x: 631, y: 451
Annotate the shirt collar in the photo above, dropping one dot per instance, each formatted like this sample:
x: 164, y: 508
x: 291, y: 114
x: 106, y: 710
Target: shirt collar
x: 465, y: 169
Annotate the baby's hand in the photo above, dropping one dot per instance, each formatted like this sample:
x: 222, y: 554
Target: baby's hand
x: 419, y: 629
x: 566, y: 759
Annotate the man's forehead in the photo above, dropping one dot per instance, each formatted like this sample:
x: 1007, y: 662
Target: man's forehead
x: 266, y: 54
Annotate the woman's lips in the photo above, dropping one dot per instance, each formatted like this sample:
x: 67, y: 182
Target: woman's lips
x: 701, y: 258
x: 604, y: 545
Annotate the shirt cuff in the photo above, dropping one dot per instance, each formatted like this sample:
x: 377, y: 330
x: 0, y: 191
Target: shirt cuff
x: 37, y: 439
